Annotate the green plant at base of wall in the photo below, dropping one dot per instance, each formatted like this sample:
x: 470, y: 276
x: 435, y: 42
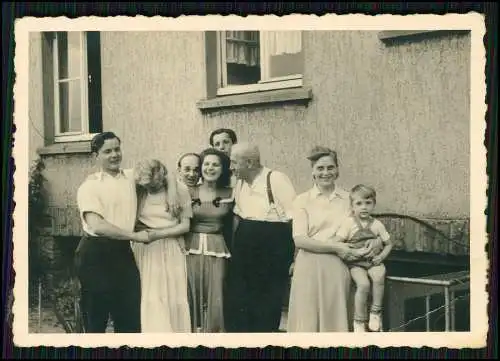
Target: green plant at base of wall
x: 36, y: 215
x: 61, y: 289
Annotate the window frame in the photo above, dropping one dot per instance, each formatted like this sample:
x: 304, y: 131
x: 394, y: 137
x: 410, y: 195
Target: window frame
x: 84, y: 134
x: 284, y: 82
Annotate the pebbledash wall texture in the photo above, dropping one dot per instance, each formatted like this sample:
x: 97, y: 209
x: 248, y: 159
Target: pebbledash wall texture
x: 396, y: 110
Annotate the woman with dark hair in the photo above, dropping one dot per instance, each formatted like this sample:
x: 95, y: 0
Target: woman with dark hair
x: 321, y: 280
x: 206, y: 247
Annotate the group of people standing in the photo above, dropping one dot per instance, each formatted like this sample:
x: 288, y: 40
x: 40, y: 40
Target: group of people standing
x: 211, y: 248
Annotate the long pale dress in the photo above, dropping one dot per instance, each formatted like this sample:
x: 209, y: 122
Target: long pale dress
x: 320, y: 290
x: 206, y: 260
x: 162, y: 267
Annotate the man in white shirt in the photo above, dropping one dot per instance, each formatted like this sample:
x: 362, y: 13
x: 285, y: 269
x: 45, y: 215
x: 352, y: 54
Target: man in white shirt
x: 106, y: 268
x: 262, y: 246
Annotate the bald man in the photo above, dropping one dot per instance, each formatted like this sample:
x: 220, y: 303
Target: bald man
x: 262, y: 247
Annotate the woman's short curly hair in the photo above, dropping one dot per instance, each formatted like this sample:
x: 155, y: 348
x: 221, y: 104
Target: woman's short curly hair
x: 145, y: 170
x: 318, y: 152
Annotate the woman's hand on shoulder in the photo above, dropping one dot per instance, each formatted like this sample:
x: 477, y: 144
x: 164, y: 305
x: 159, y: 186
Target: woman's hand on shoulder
x: 173, y: 204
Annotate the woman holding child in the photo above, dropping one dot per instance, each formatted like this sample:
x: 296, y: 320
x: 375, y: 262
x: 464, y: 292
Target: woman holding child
x: 206, y: 246
x: 320, y: 290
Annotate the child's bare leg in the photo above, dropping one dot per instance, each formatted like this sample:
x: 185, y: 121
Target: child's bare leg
x: 377, y: 276
x: 360, y: 278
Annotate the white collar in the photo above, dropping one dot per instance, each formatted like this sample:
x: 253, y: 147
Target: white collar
x: 338, y: 192
x: 102, y: 174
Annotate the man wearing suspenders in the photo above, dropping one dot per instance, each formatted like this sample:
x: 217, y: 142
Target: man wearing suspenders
x: 262, y: 247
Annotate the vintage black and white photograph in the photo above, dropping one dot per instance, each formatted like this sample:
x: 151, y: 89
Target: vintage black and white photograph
x: 232, y: 181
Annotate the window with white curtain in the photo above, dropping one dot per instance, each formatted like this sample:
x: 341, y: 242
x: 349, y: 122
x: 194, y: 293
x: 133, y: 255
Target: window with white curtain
x: 251, y: 61
x: 76, y: 72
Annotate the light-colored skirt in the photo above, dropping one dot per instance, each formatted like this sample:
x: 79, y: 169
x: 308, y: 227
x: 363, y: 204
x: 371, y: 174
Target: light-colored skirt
x: 206, y: 270
x: 319, y: 294
x: 164, y: 289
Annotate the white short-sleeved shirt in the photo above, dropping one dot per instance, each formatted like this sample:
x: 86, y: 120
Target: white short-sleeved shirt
x: 252, y: 202
x: 319, y: 216
x: 113, y: 198
x: 349, y: 227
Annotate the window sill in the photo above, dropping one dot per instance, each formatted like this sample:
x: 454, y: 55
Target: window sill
x: 66, y: 148
x: 300, y: 95
x: 286, y: 82
x: 78, y: 137
x: 399, y: 34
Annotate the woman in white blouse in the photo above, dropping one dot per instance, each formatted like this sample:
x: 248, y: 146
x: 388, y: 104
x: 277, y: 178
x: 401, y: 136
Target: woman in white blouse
x: 321, y: 281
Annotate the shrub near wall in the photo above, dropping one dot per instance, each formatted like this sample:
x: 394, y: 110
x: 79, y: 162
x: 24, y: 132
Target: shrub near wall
x: 36, y: 215
x: 49, y: 266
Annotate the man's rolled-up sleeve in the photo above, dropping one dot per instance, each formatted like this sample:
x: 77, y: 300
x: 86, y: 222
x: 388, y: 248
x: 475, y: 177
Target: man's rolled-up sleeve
x: 88, y: 200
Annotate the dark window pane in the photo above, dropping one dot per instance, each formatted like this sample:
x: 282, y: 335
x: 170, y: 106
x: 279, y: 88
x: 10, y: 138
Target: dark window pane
x: 69, y: 54
x: 94, y: 81
x: 242, y: 57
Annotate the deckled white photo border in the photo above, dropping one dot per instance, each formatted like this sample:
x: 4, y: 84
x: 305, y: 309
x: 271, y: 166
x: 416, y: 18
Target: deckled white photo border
x: 478, y: 181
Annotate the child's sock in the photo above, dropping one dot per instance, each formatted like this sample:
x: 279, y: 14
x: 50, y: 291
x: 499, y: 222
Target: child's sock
x: 359, y: 326
x: 375, y: 322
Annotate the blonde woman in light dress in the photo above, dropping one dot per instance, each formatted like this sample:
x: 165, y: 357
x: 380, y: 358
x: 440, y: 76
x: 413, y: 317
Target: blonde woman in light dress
x: 162, y: 263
